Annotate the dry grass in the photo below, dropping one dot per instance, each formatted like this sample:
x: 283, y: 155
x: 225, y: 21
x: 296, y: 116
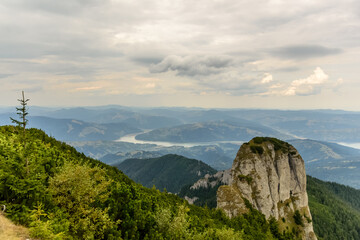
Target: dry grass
x: 10, y: 231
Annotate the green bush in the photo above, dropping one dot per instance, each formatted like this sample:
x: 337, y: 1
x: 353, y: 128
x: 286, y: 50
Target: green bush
x: 256, y: 149
x: 298, y: 218
x: 246, y: 178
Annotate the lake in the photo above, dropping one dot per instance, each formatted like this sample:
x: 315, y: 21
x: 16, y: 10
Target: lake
x: 131, y: 138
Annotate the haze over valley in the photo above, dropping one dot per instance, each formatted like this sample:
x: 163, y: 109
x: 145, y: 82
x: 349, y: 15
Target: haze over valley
x: 115, y: 133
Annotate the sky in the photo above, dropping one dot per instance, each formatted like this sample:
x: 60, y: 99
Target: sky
x: 206, y: 53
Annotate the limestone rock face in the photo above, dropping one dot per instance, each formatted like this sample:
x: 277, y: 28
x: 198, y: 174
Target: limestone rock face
x: 209, y: 180
x: 270, y: 174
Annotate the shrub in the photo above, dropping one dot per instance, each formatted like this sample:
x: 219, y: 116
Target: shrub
x: 298, y: 219
x: 256, y: 149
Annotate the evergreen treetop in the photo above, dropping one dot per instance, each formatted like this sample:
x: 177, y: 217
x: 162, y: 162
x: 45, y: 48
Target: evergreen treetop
x: 22, y: 112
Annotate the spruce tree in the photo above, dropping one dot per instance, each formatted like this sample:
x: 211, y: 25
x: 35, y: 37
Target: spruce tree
x: 22, y: 112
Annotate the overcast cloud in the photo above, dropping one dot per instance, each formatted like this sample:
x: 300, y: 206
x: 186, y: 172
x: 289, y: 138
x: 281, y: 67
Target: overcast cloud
x: 220, y: 53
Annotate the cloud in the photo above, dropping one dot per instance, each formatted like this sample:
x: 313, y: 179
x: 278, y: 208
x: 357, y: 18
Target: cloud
x: 87, y: 89
x: 58, y: 7
x: 207, y: 46
x: 304, y: 51
x: 33, y: 89
x: 231, y: 82
x: 311, y: 85
x: 192, y: 65
x: 308, y: 86
x: 4, y: 75
x: 267, y: 78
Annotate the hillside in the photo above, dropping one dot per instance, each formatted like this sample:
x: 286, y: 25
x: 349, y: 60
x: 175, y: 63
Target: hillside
x: 335, y: 208
x: 169, y: 171
x: 210, y: 132
x: 218, y: 156
x: 77, y: 130
x: 330, y: 161
x: 62, y: 194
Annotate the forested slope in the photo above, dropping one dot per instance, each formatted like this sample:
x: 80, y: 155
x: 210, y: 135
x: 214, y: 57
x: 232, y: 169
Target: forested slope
x: 335, y: 209
x: 62, y: 194
x: 170, y: 171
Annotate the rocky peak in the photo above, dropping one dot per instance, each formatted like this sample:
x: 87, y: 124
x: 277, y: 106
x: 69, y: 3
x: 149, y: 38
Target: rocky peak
x: 270, y: 174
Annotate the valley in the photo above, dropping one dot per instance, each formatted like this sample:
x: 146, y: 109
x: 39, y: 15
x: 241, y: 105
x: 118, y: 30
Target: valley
x: 115, y: 133
x: 171, y: 154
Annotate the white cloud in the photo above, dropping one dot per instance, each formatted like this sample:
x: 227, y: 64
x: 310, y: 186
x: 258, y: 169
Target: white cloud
x: 87, y: 88
x: 267, y: 78
x: 311, y: 85
x: 308, y: 86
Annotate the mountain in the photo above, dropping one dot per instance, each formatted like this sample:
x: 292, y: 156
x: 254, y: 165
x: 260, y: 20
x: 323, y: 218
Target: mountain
x: 330, y: 161
x: 62, y: 194
x: 203, y: 192
x: 151, y: 122
x: 270, y: 175
x: 210, y: 132
x: 118, y: 158
x: 112, y: 114
x: 75, y: 130
x: 99, y: 149
x: 169, y: 171
x: 313, y: 151
x: 218, y: 156
x: 324, y: 125
x: 335, y: 208
x: 323, y: 160
x: 98, y: 115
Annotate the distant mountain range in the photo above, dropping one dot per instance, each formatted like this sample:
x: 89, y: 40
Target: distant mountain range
x: 217, y: 156
x: 93, y: 129
x: 211, y: 132
x: 330, y: 161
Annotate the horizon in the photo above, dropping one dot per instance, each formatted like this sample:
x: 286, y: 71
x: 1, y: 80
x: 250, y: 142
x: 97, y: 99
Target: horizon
x: 220, y: 54
x: 175, y: 107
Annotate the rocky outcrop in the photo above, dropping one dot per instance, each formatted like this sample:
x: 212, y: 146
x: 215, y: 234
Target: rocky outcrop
x: 270, y: 174
x: 212, y: 180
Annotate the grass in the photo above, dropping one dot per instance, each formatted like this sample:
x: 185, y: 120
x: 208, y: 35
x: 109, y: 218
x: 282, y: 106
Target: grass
x: 10, y: 231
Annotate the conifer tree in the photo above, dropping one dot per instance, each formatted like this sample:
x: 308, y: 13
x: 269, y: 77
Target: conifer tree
x: 22, y: 112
